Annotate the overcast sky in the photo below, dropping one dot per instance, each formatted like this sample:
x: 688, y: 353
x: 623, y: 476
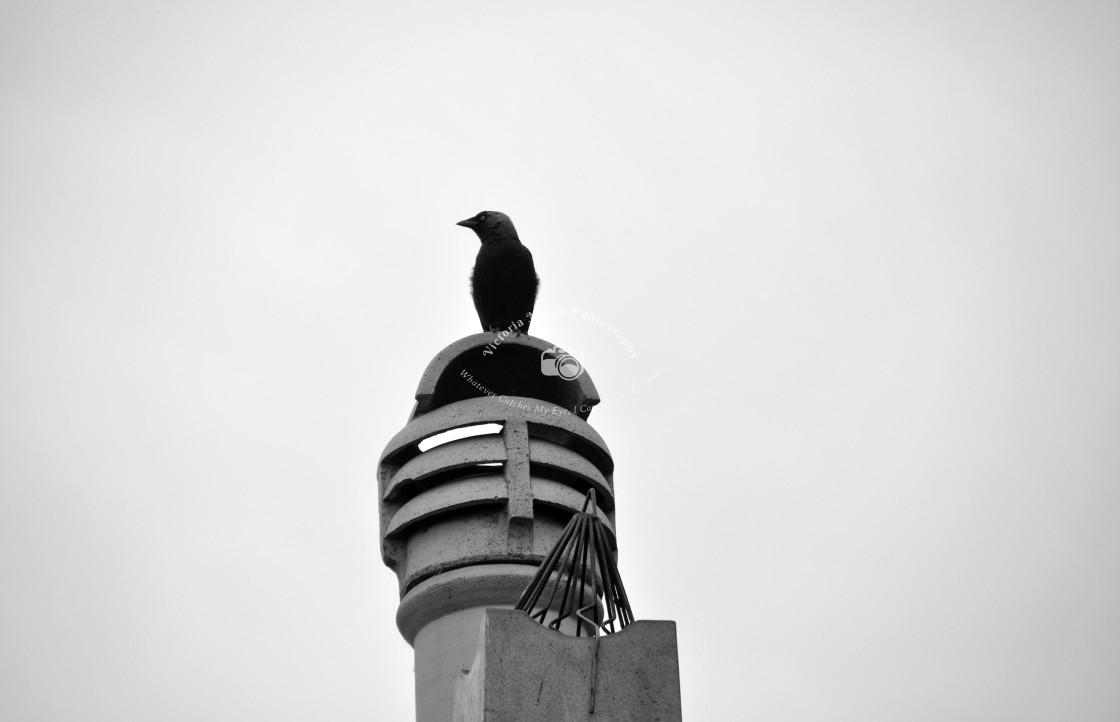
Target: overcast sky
x: 868, y: 449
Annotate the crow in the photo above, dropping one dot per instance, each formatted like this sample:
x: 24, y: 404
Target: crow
x: 504, y: 282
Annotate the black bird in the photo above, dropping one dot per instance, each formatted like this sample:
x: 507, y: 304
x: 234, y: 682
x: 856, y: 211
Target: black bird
x: 504, y: 282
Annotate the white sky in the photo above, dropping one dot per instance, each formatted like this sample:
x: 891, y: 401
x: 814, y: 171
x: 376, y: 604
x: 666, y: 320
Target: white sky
x: 868, y: 255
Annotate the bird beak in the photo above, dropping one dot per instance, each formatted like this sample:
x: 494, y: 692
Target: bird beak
x: 468, y: 223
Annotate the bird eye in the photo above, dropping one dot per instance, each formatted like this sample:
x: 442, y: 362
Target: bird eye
x: 481, y: 216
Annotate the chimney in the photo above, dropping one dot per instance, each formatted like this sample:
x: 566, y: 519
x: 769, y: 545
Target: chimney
x: 465, y: 524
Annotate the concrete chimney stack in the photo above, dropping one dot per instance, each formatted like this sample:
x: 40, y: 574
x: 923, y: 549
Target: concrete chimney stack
x: 466, y: 523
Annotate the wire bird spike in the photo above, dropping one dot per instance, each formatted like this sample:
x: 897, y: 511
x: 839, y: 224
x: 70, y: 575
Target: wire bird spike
x: 581, y: 559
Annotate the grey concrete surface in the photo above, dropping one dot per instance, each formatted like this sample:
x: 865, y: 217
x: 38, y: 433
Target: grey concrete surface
x: 464, y: 524
x: 525, y: 672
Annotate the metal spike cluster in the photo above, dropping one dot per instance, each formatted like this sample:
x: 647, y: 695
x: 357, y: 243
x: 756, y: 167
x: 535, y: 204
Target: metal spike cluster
x: 587, y: 571
x: 584, y: 567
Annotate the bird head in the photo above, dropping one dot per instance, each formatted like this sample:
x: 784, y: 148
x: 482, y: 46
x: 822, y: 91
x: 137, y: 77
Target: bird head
x: 491, y: 226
